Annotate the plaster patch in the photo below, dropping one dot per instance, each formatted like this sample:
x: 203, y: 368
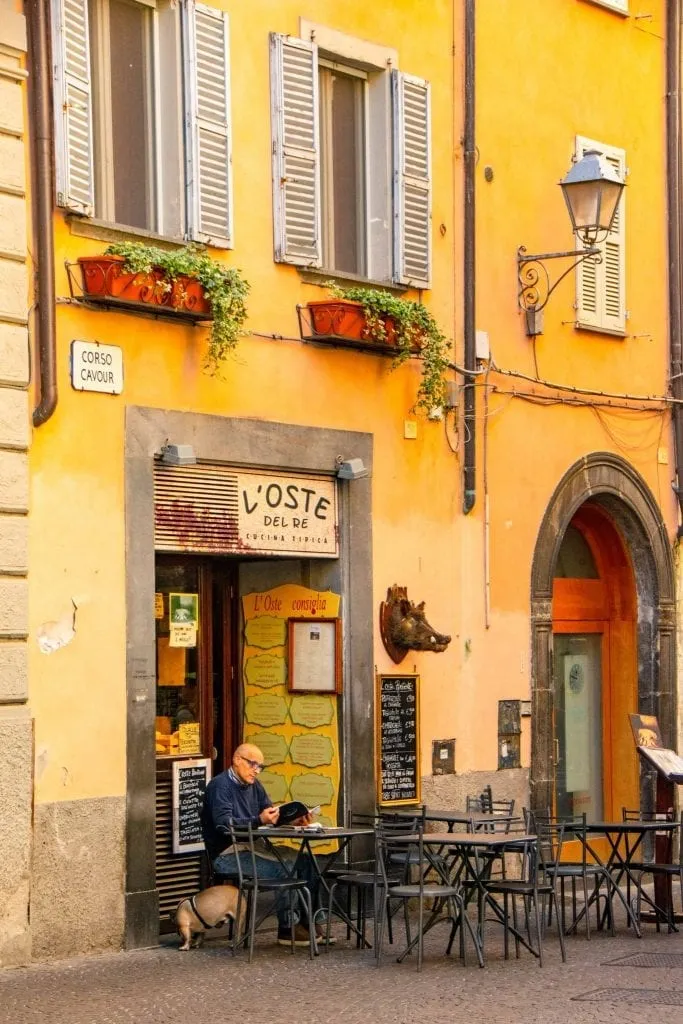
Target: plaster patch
x: 53, y: 635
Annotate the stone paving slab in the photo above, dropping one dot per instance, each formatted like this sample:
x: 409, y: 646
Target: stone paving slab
x: 208, y: 986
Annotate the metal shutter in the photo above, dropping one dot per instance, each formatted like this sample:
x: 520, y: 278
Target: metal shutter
x: 296, y: 151
x: 177, y: 875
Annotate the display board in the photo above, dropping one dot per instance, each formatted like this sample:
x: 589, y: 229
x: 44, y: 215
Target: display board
x: 648, y: 737
x: 190, y: 779
x: 398, y: 728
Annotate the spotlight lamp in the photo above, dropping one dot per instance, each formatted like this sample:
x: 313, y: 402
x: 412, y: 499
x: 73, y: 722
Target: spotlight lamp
x: 351, y: 469
x: 177, y: 455
x: 592, y: 189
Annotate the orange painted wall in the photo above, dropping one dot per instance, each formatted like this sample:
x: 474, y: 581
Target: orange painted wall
x: 568, y: 68
x: 535, y: 92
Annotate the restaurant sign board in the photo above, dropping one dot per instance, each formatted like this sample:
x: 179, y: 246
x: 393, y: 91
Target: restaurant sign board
x: 215, y: 509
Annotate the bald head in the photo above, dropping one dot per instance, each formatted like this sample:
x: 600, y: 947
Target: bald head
x: 247, y: 762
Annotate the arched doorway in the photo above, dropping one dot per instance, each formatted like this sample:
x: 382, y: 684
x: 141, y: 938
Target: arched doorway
x: 595, y: 679
x: 628, y: 645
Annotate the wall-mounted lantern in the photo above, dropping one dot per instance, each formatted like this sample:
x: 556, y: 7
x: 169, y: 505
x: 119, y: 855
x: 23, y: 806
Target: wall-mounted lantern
x: 592, y: 189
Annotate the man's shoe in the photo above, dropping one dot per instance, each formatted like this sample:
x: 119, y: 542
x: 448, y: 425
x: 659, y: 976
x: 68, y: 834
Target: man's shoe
x: 301, y: 936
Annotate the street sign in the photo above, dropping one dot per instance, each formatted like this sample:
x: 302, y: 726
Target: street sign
x: 96, y: 367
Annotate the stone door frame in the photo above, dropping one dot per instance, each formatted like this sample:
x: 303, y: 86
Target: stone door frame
x: 608, y: 480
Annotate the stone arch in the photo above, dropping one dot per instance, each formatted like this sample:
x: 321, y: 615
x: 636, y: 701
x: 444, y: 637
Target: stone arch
x: 608, y: 480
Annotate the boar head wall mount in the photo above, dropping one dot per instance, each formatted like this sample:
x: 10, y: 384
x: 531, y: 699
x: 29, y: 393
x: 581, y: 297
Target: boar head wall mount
x: 404, y: 628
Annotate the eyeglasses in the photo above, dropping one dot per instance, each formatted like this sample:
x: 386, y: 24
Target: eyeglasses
x: 255, y: 765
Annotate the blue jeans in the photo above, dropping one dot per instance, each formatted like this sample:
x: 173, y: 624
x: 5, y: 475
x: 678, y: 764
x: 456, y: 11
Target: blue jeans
x: 226, y: 864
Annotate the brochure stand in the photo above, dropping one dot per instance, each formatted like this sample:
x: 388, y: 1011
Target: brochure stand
x: 669, y: 767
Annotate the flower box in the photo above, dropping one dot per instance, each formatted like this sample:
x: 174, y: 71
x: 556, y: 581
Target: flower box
x: 103, y: 278
x: 345, y: 321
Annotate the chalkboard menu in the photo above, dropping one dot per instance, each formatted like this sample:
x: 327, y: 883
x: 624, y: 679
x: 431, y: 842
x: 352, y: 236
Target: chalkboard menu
x: 397, y: 739
x: 189, y: 783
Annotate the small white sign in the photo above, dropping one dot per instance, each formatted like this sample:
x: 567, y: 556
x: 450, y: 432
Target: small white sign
x: 96, y: 367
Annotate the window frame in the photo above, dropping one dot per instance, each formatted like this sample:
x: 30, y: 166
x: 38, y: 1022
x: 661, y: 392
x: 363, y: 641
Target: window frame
x: 102, y: 126
x: 327, y: 219
x: 181, y: 196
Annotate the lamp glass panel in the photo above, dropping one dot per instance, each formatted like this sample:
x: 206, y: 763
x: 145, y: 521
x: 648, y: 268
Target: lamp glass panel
x: 583, y: 201
x: 611, y: 192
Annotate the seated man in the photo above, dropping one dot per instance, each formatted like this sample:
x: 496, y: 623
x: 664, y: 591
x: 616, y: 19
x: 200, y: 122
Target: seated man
x: 236, y: 796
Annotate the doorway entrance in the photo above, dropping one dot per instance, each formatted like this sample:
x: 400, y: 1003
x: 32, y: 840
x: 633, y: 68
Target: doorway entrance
x: 595, y: 681
x: 197, y: 701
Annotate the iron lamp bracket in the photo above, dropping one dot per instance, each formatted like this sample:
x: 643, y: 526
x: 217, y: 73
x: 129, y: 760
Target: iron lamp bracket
x: 536, y: 285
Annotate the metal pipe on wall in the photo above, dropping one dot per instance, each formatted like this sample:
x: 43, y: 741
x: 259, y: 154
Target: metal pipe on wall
x: 469, y: 393
x: 674, y: 192
x: 40, y: 136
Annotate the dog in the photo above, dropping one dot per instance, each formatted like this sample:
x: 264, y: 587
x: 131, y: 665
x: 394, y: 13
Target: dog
x: 210, y: 908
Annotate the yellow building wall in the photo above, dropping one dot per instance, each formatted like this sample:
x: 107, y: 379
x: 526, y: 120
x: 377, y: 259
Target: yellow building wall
x: 532, y: 99
x: 77, y: 538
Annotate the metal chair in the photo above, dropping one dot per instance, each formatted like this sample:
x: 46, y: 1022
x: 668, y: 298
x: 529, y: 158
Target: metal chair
x: 666, y: 871
x: 537, y: 883
x: 250, y: 884
x: 578, y: 871
x: 391, y: 844
x: 355, y: 876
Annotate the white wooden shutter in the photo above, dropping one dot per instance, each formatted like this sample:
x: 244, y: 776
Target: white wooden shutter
x: 207, y: 117
x: 73, y: 105
x: 296, y: 150
x: 412, y: 181
x: 600, y: 299
x: 614, y: 5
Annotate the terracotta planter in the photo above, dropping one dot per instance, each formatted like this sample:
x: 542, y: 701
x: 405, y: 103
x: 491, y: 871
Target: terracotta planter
x: 344, y: 319
x: 103, y: 277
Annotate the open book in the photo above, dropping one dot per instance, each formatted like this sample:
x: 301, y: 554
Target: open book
x: 294, y: 809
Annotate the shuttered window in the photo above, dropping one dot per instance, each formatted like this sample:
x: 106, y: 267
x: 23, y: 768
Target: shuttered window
x: 412, y: 191
x: 614, y: 5
x: 601, y: 301
x: 142, y: 112
x: 208, y: 100
x: 73, y: 106
x: 312, y: 226
x: 296, y: 151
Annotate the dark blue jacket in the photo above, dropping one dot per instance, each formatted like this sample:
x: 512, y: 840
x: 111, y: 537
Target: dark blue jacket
x: 227, y: 799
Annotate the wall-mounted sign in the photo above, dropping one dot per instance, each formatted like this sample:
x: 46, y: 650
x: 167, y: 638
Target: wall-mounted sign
x: 214, y: 509
x: 96, y: 367
x: 398, y: 743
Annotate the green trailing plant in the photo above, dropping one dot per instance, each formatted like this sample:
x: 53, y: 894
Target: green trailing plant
x: 224, y: 287
x: 416, y: 332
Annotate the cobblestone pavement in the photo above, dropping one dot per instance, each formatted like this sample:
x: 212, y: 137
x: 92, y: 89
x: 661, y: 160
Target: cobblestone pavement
x: 209, y: 986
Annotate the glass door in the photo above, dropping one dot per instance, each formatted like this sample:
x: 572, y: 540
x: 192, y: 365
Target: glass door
x: 580, y: 746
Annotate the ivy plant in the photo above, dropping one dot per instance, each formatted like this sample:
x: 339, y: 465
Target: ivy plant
x: 224, y: 287
x: 416, y: 331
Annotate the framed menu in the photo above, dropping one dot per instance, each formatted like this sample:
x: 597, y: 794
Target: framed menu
x: 398, y: 729
x: 314, y: 647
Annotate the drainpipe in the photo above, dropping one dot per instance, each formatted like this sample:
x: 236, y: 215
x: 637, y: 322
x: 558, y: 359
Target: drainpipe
x: 40, y: 136
x: 470, y: 453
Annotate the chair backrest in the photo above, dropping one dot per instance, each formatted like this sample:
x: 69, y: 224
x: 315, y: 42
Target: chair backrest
x: 401, y: 824
x: 574, y: 827
x: 391, y: 842
x: 635, y: 814
x: 550, y: 839
x: 243, y: 840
